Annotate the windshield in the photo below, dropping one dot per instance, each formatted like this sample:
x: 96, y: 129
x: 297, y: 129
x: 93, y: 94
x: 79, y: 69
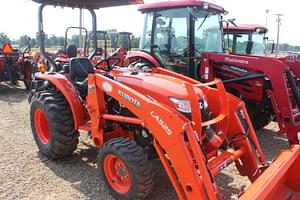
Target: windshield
x: 258, y: 43
x: 167, y: 35
x: 236, y: 42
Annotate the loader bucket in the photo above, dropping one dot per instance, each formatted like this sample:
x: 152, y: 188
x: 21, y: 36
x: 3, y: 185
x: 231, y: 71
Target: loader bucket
x: 281, y: 180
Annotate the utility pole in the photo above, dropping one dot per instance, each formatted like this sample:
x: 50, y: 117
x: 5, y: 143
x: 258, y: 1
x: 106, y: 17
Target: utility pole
x: 80, y: 25
x: 266, y: 25
x: 267, y: 15
x: 278, y: 31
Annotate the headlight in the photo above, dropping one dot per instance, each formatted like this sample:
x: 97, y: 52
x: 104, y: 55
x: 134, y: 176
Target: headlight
x: 181, y: 105
x: 185, y: 105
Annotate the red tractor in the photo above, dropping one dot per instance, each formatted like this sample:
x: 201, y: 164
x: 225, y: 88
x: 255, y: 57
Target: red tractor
x: 16, y: 65
x: 252, y: 38
x: 119, y: 43
x: 143, y: 112
x: 246, y: 39
x: 63, y: 56
x: 190, y: 42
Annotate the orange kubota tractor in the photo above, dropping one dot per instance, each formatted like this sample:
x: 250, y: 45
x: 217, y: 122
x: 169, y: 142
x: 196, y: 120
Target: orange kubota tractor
x: 141, y: 112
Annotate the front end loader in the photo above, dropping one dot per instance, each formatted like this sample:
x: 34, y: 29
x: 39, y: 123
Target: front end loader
x: 142, y: 112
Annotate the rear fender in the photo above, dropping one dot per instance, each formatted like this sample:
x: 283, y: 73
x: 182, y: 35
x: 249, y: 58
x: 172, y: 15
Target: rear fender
x: 67, y: 89
x: 144, y: 55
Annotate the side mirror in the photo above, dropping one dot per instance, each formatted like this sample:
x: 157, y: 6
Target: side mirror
x: 273, y: 47
x: 249, y: 47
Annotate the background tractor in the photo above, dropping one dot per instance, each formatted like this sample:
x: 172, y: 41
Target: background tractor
x: 246, y: 39
x: 190, y: 42
x: 16, y: 65
x: 111, y: 47
x: 63, y: 56
x: 142, y: 112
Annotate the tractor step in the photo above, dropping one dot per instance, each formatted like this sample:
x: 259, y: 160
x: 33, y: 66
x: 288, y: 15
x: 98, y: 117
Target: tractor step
x: 86, y: 127
x: 223, y: 160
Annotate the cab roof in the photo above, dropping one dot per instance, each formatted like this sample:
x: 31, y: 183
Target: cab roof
x: 94, y: 4
x: 246, y: 27
x: 178, y: 3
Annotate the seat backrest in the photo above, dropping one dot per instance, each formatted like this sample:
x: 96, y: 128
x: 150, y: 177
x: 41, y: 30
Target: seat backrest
x: 72, y: 51
x: 80, y: 68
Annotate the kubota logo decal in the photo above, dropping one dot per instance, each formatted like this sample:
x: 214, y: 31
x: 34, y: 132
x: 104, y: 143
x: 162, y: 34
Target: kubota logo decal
x: 161, y: 122
x: 234, y: 60
x: 130, y: 99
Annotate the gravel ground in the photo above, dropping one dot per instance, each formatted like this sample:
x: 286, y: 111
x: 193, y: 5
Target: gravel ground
x: 25, y: 174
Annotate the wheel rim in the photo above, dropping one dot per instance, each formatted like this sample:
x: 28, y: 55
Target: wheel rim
x: 117, y: 174
x: 41, y: 126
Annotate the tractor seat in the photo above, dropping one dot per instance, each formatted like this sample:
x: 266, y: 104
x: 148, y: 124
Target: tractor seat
x: 72, y: 51
x: 80, y: 68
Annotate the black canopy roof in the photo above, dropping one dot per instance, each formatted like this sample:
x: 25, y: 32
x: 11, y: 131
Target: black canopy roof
x: 94, y: 4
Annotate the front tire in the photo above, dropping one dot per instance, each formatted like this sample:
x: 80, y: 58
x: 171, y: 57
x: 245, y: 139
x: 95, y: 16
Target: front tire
x: 52, y: 124
x: 125, y: 169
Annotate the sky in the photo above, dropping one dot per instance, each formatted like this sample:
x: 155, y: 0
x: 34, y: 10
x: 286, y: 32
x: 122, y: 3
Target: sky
x: 21, y: 17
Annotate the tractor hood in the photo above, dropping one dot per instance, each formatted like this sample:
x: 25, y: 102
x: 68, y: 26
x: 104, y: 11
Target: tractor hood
x: 93, y: 4
x: 157, y: 86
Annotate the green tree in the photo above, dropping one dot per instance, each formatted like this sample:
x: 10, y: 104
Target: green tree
x: 61, y: 41
x: 4, y: 38
x: 135, y: 42
x: 33, y: 42
x: 53, y: 41
x: 75, y: 40
x: 23, y: 41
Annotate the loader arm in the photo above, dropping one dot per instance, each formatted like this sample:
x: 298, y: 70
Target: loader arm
x: 284, y: 100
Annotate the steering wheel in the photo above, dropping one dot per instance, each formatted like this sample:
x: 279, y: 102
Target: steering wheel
x: 186, y: 51
x: 108, y: 67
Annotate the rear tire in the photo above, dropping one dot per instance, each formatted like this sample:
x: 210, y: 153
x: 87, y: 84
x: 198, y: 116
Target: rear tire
x: 52, y: 124
x: 260, y: 114
x: 27, y: 84
x: 125, y: 169
x: 260, y: 120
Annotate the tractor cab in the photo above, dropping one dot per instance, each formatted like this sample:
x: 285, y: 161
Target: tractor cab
x: 245, y: 39
x: 176, y: 33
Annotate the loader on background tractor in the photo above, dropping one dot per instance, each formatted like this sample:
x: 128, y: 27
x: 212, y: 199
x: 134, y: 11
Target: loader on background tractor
x: 252, y: 38
x: 190, y: 42
x: 143, y: 112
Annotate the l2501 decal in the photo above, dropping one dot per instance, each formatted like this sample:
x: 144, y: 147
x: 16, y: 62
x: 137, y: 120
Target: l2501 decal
x: 161, y: 122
